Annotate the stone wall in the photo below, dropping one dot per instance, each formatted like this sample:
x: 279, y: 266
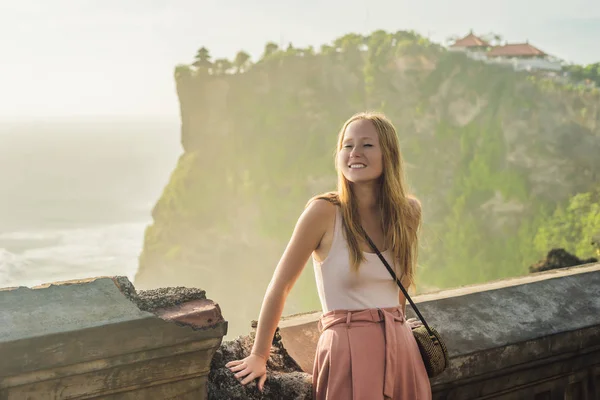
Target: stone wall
x: 99, y: 338
x: 534, y: 337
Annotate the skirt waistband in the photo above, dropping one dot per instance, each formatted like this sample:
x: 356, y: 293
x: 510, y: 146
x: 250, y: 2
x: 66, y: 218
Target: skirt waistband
x: 389, y: 316
x: 336, y: 317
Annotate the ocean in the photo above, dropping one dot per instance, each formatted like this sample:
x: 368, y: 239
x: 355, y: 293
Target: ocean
x: 76, y: 195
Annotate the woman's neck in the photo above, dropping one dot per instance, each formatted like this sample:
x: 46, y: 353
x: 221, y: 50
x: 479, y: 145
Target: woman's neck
x: 366, y: 198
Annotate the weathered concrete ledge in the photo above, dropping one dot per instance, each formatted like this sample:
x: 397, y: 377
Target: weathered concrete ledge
x: 532, y: 337
x: 514, y: 338
x: 100, y: 338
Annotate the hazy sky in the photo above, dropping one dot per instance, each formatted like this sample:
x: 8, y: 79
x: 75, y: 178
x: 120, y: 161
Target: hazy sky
x: 116, y: 57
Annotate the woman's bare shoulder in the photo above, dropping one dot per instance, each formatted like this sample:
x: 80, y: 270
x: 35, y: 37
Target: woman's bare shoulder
x: 324, y: 212
x: 321, y: 209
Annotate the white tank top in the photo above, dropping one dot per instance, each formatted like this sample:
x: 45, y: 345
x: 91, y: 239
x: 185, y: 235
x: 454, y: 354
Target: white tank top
x: 340, y: 288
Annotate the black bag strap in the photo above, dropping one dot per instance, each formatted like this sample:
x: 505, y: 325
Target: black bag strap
x: 391, y: 271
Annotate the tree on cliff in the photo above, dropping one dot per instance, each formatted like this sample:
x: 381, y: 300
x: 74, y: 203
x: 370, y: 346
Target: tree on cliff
x: 221, y: 66
x: 241, y: 61
x: 202, y: 58
x: 350, y: 46
x: 292, y: 51
x: 351, y: 41
x: 589, y: 72
x: 574, y: 226
x: 296, y: 51
x: 270, y: 49
x: 327, y: 49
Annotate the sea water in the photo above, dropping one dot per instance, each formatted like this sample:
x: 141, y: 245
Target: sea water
x: 76, y: 195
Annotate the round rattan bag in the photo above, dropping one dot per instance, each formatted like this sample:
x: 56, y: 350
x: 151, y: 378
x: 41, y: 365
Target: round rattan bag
x: 433, y: 350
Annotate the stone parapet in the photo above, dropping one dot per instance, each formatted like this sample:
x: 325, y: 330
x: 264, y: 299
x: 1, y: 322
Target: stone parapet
x: 520, y: 338
x: 533, y: 337
x: 99, y: 338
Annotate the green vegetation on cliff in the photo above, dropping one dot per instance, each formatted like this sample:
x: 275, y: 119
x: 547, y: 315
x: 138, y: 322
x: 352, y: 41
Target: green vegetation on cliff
x: 574, y: 226
x: 493, y: 154
x: 590, y: 73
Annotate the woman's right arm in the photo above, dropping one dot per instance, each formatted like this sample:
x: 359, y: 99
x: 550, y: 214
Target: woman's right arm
x: 307, y: 235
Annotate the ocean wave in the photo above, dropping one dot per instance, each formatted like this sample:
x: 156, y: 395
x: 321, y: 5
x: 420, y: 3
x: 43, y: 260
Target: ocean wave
x: 47, y: 256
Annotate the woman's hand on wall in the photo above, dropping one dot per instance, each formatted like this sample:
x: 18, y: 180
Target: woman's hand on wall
x: 414, y: 323
x: 250, y: 368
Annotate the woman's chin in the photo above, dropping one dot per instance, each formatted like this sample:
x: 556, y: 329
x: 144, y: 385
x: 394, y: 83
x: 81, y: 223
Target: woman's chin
x: 360, y: 179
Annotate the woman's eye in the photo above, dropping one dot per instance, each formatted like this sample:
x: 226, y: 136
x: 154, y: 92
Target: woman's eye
x: 368, y: 145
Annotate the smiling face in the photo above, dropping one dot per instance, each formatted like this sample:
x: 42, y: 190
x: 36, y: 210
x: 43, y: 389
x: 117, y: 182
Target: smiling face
x: 360, y: 157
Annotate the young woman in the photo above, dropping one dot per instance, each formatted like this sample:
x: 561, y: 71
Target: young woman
x: 366, y: 349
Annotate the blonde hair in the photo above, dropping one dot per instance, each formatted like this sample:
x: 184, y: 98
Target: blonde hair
x: 400, y: 212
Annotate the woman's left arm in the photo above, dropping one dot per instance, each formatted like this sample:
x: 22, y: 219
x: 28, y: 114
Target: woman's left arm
x: 401, y: 297
x: 412, y: 322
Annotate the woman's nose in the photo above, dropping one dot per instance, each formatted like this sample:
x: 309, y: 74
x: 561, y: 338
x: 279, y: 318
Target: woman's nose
x: 355, y: 152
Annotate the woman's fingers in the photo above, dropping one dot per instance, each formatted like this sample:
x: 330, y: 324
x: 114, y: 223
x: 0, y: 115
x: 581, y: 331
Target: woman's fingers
x: 233, y: 363
x: 261, y: 382
x: 238, y: 367
x: 249, y: 378
x: 414, y: 323
x: 245, y: 371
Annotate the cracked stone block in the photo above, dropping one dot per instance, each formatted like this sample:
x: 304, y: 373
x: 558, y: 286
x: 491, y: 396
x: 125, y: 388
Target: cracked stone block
x: 99, y: 338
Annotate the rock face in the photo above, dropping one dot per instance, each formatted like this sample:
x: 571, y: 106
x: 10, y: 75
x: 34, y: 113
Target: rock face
x: 285, y: 377
x: 559, y: 258
x: 489, y: 151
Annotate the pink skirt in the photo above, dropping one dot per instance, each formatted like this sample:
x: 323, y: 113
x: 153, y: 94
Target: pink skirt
x: 368, y: 354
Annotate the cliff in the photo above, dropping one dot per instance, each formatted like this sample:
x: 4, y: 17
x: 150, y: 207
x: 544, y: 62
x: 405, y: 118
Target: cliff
x: 493, y: 154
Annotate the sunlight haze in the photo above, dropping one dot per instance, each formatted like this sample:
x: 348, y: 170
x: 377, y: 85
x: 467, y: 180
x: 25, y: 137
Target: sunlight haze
x: 67, y: 58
